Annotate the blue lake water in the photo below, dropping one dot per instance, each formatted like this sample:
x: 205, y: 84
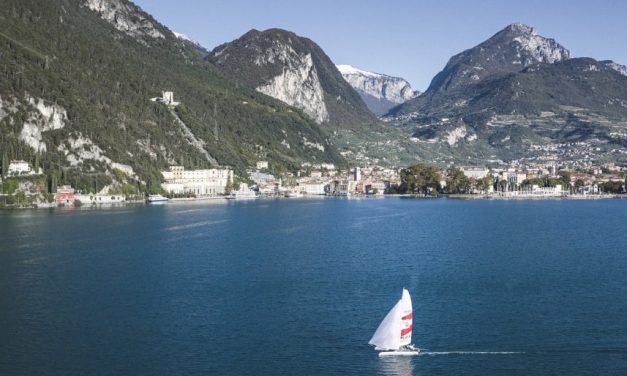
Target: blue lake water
x: 297, y: 287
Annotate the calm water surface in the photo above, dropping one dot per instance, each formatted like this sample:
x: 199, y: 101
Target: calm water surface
x: 297, y: 287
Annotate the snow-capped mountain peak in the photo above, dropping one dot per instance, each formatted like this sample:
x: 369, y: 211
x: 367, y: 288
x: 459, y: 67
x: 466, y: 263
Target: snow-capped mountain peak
x: 184, y: 37
x: 346, y: 69
x: 379, y: 91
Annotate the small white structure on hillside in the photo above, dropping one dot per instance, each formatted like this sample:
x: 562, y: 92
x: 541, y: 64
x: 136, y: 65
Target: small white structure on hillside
x: 167, y: 98
x: 20, y: 168
x: 262, y: 165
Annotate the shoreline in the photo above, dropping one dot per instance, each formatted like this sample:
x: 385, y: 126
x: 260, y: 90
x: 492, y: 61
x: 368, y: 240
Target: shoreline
x: 403, y: 196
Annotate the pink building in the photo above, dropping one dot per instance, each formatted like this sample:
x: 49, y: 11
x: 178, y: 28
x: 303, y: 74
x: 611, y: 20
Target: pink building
x: 64, y: 196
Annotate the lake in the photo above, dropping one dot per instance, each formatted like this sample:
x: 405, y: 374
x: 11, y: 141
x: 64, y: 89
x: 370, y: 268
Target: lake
x: 298, y: 286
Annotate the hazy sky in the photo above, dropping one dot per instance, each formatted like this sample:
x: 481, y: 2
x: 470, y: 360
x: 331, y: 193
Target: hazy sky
x: 410, y: 39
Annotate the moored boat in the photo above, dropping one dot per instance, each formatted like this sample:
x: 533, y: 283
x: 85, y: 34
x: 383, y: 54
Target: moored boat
x: 242, y: 195
x: 293, y: 194
x: 153, y: 199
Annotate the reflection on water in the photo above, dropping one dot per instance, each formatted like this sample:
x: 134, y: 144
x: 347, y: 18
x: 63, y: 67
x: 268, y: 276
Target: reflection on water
x: 396, y: 366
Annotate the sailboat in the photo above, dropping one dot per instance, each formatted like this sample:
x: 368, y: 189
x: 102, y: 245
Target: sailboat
x: 393, y: 336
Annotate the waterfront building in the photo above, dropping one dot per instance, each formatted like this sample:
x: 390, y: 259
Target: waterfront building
x: 64, y: 196
x: 475, y: 172
x: 314, y: 188
x: 98, y: 199
x: 203, y: 183
x: 344, y: 187
x: 546, y: 191
x: 375, y: 187
x: 514, y: 178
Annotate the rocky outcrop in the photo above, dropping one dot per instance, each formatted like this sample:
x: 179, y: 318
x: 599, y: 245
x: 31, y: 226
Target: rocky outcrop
x: 298, y: 84
x: 296, y: 71
x: 125, y: 17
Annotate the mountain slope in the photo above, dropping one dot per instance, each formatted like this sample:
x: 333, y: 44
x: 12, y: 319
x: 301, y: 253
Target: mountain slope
x: 75, y: 99
x: 510, y: 50
x: 380, y: 92
x: 296, y: 71
x: 518, y: 95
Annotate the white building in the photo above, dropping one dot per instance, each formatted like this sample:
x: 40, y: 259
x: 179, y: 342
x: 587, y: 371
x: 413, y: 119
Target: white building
x: 475, y: 172
x: 167, y: 98
x: 344, y: 187
x: 357, y: 174
x: 210, y: 182
x: 20, y: 168
x: 262, y: 165
x: 547, y: 191
x: 99, y: 199
x: 313, y: 187
x: 514, y: 178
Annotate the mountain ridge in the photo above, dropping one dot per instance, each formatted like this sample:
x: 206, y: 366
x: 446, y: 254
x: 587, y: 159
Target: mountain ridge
x: 63, y: 57
x: 293, y: 69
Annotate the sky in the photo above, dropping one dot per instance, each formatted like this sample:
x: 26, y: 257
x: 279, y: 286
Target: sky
x: 409, y: 39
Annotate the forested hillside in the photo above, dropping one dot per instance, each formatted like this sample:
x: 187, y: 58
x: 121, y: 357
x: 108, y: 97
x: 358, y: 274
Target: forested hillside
x: 75, y: 89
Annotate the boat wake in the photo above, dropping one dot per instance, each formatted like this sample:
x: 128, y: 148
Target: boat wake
x: 434, y: 353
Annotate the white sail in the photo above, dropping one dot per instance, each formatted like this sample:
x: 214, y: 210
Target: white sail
x: 387, y: 335
x: 395, y: 329
x: 406, y: 318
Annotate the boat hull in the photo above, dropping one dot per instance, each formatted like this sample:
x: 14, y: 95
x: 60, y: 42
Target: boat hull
x: 399, y: 353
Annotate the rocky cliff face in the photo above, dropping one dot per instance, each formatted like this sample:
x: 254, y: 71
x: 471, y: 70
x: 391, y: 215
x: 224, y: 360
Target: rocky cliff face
x: 294, y: 70
x: 125, y: 17
x: 298, y: 83
x: 380, y: 92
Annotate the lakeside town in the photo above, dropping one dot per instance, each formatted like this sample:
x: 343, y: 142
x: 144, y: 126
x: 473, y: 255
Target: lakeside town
x: 21, y: 187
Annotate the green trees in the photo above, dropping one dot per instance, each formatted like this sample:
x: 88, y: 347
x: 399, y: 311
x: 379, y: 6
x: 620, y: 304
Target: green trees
x: 485, y: 183
x: 579, y: 184
x: 105, y: 79
x: 457, y: 182
x: 612, y: 187
x: 564, y: 177
x: 419, y: 178
x: 5, y: 164
x: 229, y: 186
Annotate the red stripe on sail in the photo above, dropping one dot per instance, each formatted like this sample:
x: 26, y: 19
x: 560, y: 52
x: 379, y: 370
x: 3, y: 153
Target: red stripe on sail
x: 405, y: 331
x: 407, y: 317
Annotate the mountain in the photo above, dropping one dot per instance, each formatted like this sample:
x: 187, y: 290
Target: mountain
x: 518, y: 95
x: 510, y: 50
x: 296, y: 71
x: 75, y: 99
x: 380, y: 92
